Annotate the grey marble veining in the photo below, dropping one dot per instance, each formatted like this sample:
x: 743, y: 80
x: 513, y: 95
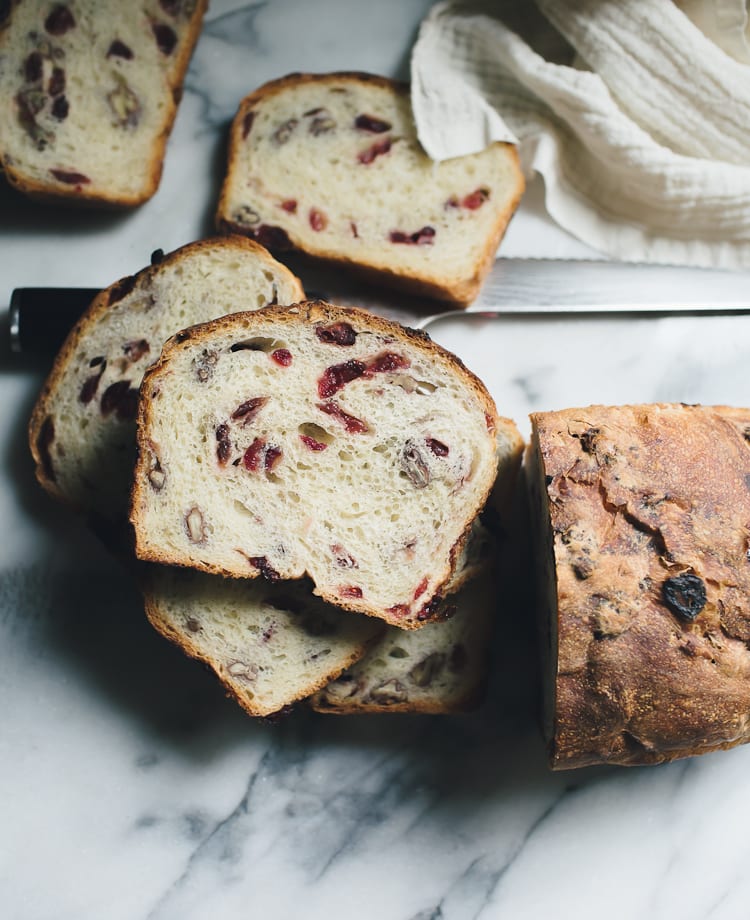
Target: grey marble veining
x: 132, y: 789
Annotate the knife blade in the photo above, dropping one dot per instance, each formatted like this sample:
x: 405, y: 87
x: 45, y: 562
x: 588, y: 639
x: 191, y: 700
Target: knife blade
x: 40, y: 318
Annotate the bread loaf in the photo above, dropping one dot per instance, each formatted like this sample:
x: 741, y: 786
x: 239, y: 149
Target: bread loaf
x: 270, y: 645
x: 82, y: 430
x: 330, y: 164
x: 317, y: 440
x: 439, y: 669
x: 88, y: 94
x: 643, y: 539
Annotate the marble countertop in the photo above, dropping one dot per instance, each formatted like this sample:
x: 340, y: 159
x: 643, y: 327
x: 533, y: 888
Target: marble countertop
x: 132, y: 789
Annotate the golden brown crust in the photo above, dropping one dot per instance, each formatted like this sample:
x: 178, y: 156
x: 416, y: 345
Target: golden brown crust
x: 650, y: 512
x: 463, y: 291
x: 44, y: 407
x: 80, y: 195
x: 307, y: 312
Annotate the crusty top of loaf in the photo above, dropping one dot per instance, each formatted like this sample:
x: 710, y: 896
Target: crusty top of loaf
x: 650, y: 511
x: 330, y: 164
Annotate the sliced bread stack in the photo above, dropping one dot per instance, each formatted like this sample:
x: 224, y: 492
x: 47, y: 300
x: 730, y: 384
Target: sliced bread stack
x: 270, y: 644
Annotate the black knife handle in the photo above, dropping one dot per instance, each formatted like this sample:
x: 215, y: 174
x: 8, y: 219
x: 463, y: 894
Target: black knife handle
x: 41, y: 318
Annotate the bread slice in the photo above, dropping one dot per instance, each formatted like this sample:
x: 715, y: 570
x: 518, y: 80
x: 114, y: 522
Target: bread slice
x: 270, y: 645
x: 439, y: 669
x: 642, y: 533
x: 330, y: 164
x: 317, y: 440
x: 82, y: 430
x: 88, y: 93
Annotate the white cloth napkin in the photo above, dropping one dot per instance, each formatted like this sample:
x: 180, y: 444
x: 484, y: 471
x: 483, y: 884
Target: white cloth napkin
x: 636, y: 114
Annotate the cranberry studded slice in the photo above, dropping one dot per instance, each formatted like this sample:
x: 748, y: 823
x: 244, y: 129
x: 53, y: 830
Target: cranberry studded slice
x: 423, y: 237
x: 376, y: 150
x: 336, y: 334
x: 351, y: 423
x: 371, y: 124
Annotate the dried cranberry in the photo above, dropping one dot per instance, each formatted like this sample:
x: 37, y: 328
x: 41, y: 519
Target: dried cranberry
x: 353, y: 228
x: 282, y: 356
x: 378, y: 149
x: 490, y: 423
x: 120, y: 49
x: 254, y: 455
x: 272, y: 457
x: 59, y: 20
x: 272, y: 237
x: 421, y: 588
x: 120, y: 398
x: 32, y: 67
x: 121, y: 289
x: 336, y: 334
x: 311, y: 443
x: 249, y: 409
x: 337, y: 376
x: 350, y: 591
x: 60, y: 108
x: 262, y: 564
x: 290, y: 206
x: 247, y: 123
x: 430, y: 609
x: 43, y: 444
x: 282, y: 134
x: 136, y: 349
x: 388, y: 361
x: 351, y: 424
x: 343, y: 559
x: 423, y: 237
x: 685, y: 595
x: 89, y: 388
x: 223, y: 445
x: 165, y: 36
x: 451, y: 203
x: 56, y: 84
x: 399, y: 610
x: 70, y: 178
x: 437, y: 447
x: 318, y: 220
x: 476, y: 199
x: 371, y: 124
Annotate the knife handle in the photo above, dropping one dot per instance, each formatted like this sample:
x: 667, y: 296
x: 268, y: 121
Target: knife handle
x: 41, y: 318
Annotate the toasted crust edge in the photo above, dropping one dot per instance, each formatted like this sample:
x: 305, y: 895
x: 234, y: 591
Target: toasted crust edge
x: 462, y: 292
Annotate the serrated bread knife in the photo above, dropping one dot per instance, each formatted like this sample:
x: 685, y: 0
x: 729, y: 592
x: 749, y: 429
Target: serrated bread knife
x: 40, y: 318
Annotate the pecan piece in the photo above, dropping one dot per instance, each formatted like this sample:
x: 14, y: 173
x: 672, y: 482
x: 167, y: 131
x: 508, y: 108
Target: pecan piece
x: 195, y: 526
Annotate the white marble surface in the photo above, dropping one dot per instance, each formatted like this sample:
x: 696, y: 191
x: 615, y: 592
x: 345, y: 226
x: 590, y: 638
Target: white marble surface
x: 133, y: 790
